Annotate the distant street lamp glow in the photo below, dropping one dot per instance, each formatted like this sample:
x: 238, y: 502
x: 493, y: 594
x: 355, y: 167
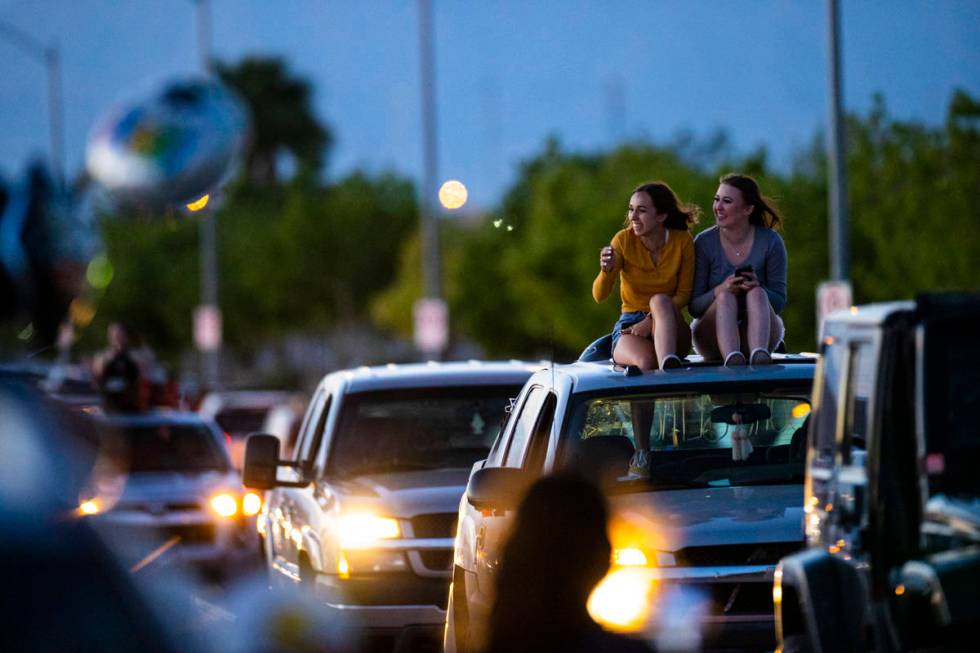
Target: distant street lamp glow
x: 452, y: 194
x: 199, y: 204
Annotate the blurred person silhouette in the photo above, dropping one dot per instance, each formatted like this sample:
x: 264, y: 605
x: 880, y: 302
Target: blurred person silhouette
x: 558, y: 551
x: 123, y: 369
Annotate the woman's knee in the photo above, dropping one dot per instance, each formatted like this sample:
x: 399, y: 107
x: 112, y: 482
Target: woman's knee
x: 661, y: 304
x: 757, y: 298
x: 726, y: 301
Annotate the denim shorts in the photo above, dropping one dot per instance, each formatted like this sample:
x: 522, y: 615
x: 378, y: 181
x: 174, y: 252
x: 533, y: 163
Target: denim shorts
x: 627, y: 319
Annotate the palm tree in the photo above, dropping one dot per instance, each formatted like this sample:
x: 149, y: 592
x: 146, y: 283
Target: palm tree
x: 283, y: 118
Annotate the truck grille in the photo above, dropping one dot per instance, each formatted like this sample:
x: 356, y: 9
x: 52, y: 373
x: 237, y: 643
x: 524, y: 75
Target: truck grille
x: 441, y: 524
x: 437, y: 560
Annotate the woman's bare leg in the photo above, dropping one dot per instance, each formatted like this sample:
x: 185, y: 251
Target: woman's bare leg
x: 671, y: 334
x: 725, y: 309
x: 705, y: 338
x: 634, y: 350
x: 759, y: 316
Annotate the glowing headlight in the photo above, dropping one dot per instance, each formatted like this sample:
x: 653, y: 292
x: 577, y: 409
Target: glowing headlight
x: 362, y: 529
x: 224, y: 504
x: 251, y: 504
x: 89, y: 507
x: 629, y: 557
x: 622, y: 600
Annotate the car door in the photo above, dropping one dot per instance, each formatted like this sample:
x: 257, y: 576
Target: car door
x: 526, y: 443
x: 294, y: 503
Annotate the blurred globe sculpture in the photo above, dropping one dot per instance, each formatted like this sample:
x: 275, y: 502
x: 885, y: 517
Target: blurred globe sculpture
x: 171, y: 147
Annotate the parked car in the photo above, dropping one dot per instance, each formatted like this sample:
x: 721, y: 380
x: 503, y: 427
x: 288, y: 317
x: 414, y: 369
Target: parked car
x: 699, y: 539
x: 240, y: 413
x: 163, y: 485
x: 365, y: 512
x: 892, y: 484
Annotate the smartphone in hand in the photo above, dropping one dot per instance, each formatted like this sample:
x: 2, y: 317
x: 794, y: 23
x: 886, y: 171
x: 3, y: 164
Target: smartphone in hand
x: 744, y: 271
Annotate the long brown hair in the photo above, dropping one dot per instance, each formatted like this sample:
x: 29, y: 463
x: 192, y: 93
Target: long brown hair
x: 680, y: 215
x: 764, y: 211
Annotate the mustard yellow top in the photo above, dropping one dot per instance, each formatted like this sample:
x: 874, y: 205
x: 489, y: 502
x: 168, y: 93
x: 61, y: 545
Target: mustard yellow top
x: 640, y: 278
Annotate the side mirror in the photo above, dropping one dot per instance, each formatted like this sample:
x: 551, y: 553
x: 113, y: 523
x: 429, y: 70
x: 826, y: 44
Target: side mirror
x: 497, y: 488
x: 750, y: 413
x: 262, y: 462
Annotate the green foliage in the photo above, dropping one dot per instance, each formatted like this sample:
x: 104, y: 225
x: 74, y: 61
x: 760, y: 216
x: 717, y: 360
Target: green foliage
x: 282, y: 118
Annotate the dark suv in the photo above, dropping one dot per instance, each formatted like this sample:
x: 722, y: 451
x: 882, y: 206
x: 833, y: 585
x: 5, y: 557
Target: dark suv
x: 365, y: 512
x: 697, y: 541
x: 892, y: 485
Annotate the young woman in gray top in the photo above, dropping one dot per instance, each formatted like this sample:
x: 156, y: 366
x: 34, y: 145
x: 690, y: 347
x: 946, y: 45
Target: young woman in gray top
x: 739, y: 277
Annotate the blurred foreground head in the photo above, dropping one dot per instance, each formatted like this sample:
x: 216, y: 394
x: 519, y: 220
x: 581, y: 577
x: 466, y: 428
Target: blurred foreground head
x: 558, y: 551
x: 46, y: 241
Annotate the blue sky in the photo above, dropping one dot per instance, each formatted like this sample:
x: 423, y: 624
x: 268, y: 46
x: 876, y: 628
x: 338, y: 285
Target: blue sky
x: 508, y: 73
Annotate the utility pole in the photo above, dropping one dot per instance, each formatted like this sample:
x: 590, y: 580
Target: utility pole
x: 207, y: 317
x: 837, y: 293
x: 836, y: 156
x: 431, y: 316
x: 47, y: 55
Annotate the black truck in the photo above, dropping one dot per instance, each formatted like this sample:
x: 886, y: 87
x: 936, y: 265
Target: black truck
x: 892, y: 490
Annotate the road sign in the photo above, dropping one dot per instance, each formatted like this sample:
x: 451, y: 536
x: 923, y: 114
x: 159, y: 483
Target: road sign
x: 431, y: 325
x: 832, y: 296
x: 207, y: 327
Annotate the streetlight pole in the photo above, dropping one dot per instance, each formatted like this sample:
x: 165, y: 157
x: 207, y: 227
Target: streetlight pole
x: 209, y: 311
x: 431, y: 316
x: 431, y: 281
x: 836, y: 155
x: 47, y: 55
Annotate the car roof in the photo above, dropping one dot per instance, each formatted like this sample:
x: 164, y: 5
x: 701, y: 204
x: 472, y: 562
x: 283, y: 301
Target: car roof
x: 590, y: 377
x: 438, y: 374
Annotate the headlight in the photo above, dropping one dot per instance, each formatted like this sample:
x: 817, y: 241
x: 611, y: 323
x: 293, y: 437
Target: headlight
x: 629, y: 557
x: 89, y: 507
x: 366, y: 561
x: 363, y: 529
x: 622, y: 600
x: 224, y: 504
x: 251, y: 504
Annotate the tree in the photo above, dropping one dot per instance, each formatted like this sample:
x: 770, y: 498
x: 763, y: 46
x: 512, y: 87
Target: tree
x: 282, y: 119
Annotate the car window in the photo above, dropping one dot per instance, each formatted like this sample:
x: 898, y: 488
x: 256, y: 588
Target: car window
x: 241, y: 422
x: 305, y: 430
x: 693, y: 438
x: 163, y: 447
x: 861, y: 370
x: 952, y: 404
x: 310, y: 445
x: 395, y: 430
x: 827, y: 387
x: 524, y: 426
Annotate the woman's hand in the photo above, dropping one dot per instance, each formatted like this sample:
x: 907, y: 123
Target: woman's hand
x: 607, y: 258
x: 643, y: 328
x: 732, y: 284
x: 748, y: 281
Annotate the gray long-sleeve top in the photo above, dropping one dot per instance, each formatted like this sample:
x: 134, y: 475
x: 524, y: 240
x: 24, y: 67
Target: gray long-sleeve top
x: 711, y: 267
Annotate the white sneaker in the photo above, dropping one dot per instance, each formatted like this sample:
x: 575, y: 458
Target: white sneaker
x: 639, y: 466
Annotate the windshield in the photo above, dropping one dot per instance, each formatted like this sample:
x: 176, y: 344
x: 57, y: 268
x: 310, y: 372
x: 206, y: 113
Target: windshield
x: 417, y: 429
x: 240, y: 422
x: 164, y: 448
x: 693, y: 440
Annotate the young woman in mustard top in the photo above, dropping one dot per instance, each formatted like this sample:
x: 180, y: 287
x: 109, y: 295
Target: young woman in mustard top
x: 653, y: 257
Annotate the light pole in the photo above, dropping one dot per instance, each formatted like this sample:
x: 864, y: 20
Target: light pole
x: 207, y: 317
x: 431, y: 315
x: 47, y: 55
x: 836, y: 154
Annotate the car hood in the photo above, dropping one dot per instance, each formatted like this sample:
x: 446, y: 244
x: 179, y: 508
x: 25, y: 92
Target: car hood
x: 675, y: 519
x: 406, y: 494
x: 176, y: 487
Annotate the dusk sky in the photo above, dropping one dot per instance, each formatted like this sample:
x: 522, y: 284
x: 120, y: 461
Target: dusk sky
x: 508, y: 74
